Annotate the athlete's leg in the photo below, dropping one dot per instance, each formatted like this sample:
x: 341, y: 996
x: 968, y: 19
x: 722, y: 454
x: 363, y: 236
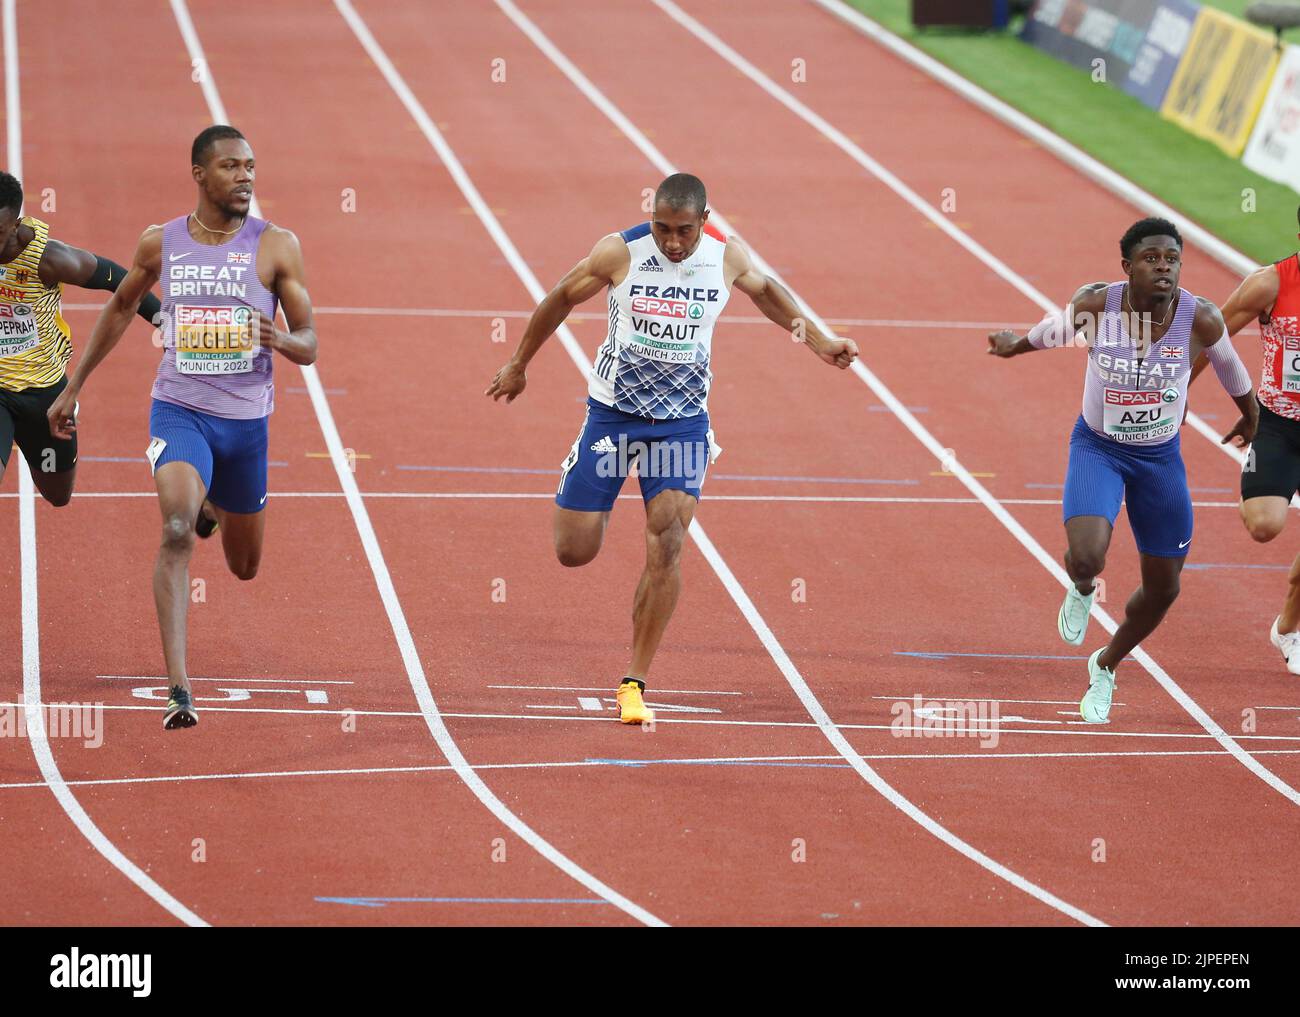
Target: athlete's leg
x: 1089, y: 540
x: 241, y: 540
x: 51, y: 461
x: 180, y: 493
x: 1145, y: 609
x: 1264, y: 516
x: 237, y: 495
x: 56, y: 488
x: 578, y: 535
x: 668, y: 516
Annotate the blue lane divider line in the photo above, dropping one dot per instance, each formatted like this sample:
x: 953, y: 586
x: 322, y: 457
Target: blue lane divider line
x: 1215, y: 565
x: 380, y: 902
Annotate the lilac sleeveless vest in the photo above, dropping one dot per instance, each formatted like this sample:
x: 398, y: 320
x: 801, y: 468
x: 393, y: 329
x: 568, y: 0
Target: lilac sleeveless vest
x: 211, y: 297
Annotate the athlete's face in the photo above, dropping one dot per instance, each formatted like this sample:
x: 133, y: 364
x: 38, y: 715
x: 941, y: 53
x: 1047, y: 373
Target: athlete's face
x: 1154, y: 269
x: 227, y: 178
x: 677, y: 231
x: 9, y: 220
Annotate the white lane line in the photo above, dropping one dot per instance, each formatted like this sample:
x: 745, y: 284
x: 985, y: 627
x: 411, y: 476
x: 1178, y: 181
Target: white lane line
x: 738, y: 595
x: 31, y: 633
x: 1088, y: 730
x: 387, y: 592
x: 515, y: 496
x: 1054, y: 143
x: 588, y: 763
x: 383, y: 581
x: 944, y: 455
x: 890, y: 180
x: 1226, y: 255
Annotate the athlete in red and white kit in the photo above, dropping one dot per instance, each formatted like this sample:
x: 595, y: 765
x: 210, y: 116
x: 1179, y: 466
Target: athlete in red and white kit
x: 1271, y: 474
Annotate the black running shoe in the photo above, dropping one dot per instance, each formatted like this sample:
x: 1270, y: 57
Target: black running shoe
x: 180, y: 710
x: 205, y: 526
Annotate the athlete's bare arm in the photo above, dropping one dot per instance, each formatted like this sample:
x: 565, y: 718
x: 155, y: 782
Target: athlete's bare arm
x: 1084, y: 311
x: 282, y: 255
x: 62, y: 263
x: 112, y: 322
x: 778, y: 306
x: 1250, y: 301
x: 1207, y: 331
x: 606, y: 265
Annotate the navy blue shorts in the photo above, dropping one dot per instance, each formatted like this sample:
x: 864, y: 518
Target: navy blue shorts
x: 1151, y: 479
x: 667, y: 454
x: 230, y: 455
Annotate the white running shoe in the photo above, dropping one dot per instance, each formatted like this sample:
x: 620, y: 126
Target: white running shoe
x: 1288, y: 644
x: 1095, y: 705
x: 1072, y: 620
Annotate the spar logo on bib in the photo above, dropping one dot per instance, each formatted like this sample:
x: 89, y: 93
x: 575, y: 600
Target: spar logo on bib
x: 695, y: 312
x: 1137, y: 416
x: 663, y: 308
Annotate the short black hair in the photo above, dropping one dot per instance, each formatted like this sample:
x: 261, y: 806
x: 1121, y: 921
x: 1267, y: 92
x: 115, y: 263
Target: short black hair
x: 682, y: 190
x: 201, y: 150
x: 11, y: 192
x: 1144, y: 229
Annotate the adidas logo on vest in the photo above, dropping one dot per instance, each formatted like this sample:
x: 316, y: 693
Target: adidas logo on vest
x: 651, y: 264
x: 604, y: 445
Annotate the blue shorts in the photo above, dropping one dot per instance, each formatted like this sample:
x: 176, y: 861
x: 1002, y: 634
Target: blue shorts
x: 668, y: 454
x: 230, y: 455
x: 1151, y: 479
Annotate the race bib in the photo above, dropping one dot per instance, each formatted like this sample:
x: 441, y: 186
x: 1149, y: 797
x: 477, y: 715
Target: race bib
x: 1140, y: 416
x: 1291, y: 364
x: 215, y: 340
x: 18, y: 331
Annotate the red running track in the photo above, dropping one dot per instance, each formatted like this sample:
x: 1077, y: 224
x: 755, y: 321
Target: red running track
x: 690, y: 842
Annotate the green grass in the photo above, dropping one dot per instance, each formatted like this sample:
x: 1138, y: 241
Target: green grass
x: 1192, y: 175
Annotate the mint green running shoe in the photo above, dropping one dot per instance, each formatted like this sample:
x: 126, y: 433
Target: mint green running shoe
x: 1072, y: 620
x: 1095, y: 705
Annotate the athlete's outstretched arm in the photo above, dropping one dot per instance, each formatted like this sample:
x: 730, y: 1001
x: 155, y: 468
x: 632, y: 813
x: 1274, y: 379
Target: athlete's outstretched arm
x: 112, y: 322
x: 290, y: 288
x: 1057, y: 329
x: 1251, y: 300
x: 62, y: 263
x: 588, y: 277
x: 1211, y: 335
x: 778, y: 306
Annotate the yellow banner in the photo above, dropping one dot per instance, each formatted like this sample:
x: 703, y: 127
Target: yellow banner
x: 1222, y: 79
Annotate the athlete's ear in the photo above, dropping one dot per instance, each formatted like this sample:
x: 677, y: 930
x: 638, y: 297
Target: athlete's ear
x: 1127, y: 266
x: 705, y: 217
x: 197, y: 173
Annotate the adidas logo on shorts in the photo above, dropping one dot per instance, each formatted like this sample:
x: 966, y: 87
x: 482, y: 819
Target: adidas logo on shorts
x: 651, y: 264
x: 604, y: 445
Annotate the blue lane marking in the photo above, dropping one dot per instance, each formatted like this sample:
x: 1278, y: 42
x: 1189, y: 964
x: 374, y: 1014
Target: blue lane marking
x: 715, y: 476
x: 1211, y: 565
x: 381, y: 902
x: 134, y: 459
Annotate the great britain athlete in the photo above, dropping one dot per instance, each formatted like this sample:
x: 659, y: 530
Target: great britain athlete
x: 225, y: 272
x: 1143, y: 335
x: 667, y: 282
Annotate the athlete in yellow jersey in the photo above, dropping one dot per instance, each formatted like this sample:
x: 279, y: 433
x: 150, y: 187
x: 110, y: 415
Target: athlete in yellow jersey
x: 35, y: 341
